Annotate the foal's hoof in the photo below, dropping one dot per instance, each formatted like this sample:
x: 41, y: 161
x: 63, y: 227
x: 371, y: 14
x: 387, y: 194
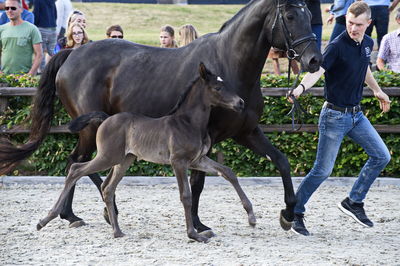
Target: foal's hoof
x: 39, y: 226
x: 285, y: 224
x: 252, y: 220
x: 208, y: 233
x: 118, y: 234
x: 77, y: 224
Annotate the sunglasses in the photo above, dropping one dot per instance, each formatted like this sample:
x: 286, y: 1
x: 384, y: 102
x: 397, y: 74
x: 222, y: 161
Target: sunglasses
x: 10, y: 8
x: 117, y: 36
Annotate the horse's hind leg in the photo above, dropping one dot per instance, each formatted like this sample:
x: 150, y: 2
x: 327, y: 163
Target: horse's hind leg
x: 108, y: 190
x: 207, y: 165
x: 260, y: 144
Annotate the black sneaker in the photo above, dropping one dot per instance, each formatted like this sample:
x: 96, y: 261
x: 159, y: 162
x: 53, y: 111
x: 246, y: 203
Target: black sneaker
x: 298, y: 226
x: 355, y: 210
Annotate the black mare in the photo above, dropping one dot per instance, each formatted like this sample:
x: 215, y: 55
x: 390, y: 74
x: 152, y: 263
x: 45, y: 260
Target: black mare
x: 142, y: 79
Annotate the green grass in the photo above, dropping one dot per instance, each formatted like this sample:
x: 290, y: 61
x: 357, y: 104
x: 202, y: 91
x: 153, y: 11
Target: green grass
x: 142, y: 22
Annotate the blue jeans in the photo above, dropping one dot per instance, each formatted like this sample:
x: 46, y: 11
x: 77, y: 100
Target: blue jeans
x: 337, y: 29
x: 317, y: 30
x: 333, y: 127
x: 380, y: 19
x: 49, y: 40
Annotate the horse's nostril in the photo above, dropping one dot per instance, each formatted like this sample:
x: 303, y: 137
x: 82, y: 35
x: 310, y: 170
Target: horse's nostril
x: 241, y: 103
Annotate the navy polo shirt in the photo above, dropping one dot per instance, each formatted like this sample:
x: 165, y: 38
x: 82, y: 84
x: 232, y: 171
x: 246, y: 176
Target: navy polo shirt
x: 346, y: 62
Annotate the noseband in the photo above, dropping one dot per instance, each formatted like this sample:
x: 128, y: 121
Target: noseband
x: 292, y: 54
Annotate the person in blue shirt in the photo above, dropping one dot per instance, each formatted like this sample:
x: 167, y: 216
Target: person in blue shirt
x: 25, y: 15
x: 346, y: 68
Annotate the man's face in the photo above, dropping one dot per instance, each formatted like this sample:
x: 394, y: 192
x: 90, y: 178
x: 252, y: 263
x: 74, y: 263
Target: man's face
x: 13, y: 10
x: 356, y: 26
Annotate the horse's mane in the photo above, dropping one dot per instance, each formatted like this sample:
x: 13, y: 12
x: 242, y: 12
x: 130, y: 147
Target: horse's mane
x: 183, y: 97
x: 238, y: 14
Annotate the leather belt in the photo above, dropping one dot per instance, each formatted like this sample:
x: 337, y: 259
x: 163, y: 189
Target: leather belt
x: 354, y: 109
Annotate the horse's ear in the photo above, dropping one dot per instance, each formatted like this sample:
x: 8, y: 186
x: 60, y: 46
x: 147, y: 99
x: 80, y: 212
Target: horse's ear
x: 203, y: 71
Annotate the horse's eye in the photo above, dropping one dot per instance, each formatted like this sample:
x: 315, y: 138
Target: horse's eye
x: 290, y: 17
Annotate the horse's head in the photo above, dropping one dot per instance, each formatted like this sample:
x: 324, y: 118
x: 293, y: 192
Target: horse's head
x: 217, y: 92
x: 291, y: 31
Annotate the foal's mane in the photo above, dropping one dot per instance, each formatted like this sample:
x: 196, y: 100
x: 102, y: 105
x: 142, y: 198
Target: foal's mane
x: 183, y: 96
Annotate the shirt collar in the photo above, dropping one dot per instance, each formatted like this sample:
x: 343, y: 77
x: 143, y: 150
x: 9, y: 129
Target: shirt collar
x: 351, y: 41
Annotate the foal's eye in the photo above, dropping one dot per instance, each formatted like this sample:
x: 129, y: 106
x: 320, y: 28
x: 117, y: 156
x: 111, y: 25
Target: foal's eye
x: 217, y: 88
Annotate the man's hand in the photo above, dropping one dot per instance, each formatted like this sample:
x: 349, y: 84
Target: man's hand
x: 384, y: 102
x: 296, y: 93
x: 330, y: 19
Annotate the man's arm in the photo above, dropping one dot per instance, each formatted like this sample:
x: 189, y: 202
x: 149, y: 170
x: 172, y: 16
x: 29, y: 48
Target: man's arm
x: 393, y: 5
x: 308, y: 81
x: 380, y: 63
x: 37, y: 50
x: 384, y: 101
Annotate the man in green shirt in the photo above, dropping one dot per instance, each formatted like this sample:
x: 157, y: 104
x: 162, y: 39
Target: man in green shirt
x: 20, y: 41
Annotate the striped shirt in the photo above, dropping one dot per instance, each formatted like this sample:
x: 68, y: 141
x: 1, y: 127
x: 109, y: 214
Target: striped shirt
x: 389, y: 50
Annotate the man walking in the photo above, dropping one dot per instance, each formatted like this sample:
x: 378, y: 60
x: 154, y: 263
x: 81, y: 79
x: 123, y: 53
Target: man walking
x: 20, y: 41
x: 346, y: 68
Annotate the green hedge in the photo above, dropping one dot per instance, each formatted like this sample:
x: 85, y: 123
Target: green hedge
x: 300, y: 148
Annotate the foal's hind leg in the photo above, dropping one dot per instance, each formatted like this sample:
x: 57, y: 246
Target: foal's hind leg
x: 207, y: 165
x: 76, y: 171
x: 108, y: 190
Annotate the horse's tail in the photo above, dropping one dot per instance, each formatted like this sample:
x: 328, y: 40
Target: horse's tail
x: 83, y: 121
x: 41, y: 115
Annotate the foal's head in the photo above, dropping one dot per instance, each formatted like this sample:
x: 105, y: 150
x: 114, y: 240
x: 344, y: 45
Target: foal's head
x: 218, y: 93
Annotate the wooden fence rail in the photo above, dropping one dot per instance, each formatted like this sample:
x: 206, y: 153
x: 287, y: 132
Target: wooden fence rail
x: 6, y: 92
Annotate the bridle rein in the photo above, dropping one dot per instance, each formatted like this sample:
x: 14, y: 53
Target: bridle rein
x: 291, y: 54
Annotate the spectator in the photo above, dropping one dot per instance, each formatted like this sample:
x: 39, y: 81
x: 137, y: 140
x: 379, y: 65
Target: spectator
x: 64, y: 8
x: 274, y: 54
x: 20, y: 42
x: 338, y: 12
x: 187, y: 34
x: 26, y: 15
x: 389, y: 51
x: 167, y: 37
x: 76, y: 36
x: 1, y: 7
x: 316, y: 19
x: 380, y: 17
x: 76, y: 16
x: 115, y: 31
x: 45, y: 19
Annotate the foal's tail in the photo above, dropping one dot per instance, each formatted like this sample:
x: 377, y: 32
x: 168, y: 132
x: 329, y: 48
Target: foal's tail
x: 83, y: 121
x: 41, y: 115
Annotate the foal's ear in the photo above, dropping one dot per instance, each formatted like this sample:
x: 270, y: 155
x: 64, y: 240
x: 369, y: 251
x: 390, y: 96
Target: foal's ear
x: 203, y: 71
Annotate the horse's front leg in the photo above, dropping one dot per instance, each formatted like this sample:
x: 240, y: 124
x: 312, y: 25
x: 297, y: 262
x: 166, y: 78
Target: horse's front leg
x: 261, y: 145
x: 180, y: 168
x: 197, y: 179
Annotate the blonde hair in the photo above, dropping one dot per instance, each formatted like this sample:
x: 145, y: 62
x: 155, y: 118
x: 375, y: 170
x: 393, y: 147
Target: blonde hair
x: 187, y: 34
x: 70, y: 41
x: 170, y: 30
x: 359, y: 7
x: 72, y: 16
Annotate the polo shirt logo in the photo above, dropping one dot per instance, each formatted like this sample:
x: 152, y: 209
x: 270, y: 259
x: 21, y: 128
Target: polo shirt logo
x: 367, y: 52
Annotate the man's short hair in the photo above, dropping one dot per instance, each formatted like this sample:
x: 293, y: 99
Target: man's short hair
x: 114, y: 28
x: 18, y: 1
x: 359, y: 7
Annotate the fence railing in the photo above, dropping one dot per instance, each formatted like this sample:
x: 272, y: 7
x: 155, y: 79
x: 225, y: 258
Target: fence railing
x: 6, y: 92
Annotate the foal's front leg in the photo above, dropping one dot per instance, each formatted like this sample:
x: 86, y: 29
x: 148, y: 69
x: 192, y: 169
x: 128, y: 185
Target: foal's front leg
x: 207, y: 165
x: 180, y: 169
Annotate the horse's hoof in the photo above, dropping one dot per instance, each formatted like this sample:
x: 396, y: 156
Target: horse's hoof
x: 208, y: 234
x: 77, y: 224
x: 285, y: 224
x: 105, y: 215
